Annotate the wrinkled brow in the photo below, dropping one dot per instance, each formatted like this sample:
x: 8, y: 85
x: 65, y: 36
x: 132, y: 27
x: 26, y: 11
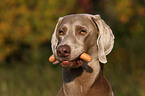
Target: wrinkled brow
x: 82, y: 27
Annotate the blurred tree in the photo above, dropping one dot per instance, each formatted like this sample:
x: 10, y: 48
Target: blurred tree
x: 28, y: 24
x: 26, y: 27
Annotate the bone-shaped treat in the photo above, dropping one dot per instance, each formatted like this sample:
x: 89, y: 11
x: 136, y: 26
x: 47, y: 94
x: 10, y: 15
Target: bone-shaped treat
x: 51, y: 58
x: 84, y: 56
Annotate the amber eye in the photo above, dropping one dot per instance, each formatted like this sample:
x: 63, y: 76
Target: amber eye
x: 83, y: 32
x: 61, y: 32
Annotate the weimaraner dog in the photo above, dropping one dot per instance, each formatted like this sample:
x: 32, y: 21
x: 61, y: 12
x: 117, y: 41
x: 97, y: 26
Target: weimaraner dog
x: 77, y: 34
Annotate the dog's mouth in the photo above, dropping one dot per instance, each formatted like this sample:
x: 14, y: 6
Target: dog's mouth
x: 72, y: 64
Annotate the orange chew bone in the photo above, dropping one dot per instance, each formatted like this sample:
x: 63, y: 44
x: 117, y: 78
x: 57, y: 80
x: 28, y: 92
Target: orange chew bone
x: 51, y: 58
x: 86, y: 57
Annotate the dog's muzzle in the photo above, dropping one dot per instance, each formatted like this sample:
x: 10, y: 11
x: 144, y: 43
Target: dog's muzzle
x: 63, y: 51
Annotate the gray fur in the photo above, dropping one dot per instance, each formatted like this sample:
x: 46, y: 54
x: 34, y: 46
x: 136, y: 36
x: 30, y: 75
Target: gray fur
x: 98, y: 42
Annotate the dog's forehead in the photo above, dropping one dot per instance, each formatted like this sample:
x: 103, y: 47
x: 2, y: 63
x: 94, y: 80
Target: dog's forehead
x: 76, y: 19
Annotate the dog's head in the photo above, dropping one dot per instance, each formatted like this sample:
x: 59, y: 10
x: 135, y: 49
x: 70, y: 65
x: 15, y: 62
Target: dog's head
x: 75, y: 34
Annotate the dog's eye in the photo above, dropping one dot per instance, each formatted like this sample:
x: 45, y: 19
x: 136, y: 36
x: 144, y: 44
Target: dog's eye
x: 61, y: 32
x: 83, y: 32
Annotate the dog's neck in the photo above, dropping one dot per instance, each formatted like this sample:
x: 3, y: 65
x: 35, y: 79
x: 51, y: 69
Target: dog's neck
x: 79, y: 80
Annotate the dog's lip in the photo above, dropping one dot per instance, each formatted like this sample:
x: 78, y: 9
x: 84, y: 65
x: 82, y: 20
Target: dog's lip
x: 72, y: 64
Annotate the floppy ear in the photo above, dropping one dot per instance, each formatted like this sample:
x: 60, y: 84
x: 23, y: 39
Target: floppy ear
x: 54, y: 40
x: 105, y: 39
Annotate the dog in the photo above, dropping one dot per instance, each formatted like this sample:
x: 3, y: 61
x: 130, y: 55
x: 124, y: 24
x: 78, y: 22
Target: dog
x: 73, y: 36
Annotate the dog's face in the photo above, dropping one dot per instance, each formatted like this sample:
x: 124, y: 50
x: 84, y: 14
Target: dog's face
x: 74, y: 34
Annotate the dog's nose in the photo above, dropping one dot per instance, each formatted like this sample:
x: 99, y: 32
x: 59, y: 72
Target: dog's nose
x: 63, y: 51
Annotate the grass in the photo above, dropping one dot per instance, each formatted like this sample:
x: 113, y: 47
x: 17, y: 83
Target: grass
x: 31, y: 80
x: 37, y: 77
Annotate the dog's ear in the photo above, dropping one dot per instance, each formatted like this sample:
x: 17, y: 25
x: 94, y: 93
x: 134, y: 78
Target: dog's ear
x: 54, y: 40
x: 105, y: 39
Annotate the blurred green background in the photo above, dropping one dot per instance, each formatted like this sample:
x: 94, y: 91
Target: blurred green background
x: 26, y: 27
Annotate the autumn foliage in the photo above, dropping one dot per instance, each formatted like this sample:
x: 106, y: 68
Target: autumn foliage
x: 26, y: 27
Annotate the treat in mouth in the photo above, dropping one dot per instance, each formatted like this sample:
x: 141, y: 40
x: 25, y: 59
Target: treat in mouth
x: 52, y: 58
x: 75, y: 63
